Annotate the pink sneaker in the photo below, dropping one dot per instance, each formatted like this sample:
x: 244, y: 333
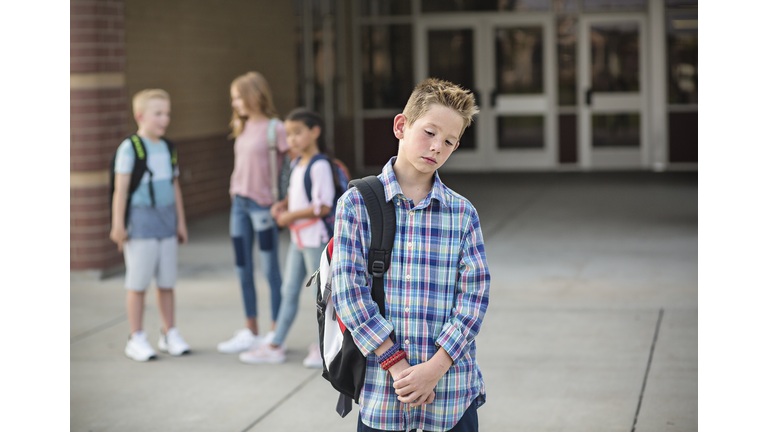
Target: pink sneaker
x: 263, y: 354
x: 314, y: 359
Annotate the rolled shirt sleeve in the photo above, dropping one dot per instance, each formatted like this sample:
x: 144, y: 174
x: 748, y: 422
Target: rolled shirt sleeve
x: 323, y: 190
x: 472, y: 287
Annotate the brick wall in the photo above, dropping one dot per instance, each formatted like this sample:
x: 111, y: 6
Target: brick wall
x: 97, y: 124
x: 97, y: 36
x: 98, y: 102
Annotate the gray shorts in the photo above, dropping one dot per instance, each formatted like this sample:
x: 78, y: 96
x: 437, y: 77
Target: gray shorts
x: 147, y: 257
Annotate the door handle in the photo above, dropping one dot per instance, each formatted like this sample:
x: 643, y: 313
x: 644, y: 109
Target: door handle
x: 588, y: 96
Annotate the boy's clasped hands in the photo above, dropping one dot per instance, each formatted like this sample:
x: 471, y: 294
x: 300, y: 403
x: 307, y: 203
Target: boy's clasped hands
x: 415, y: 385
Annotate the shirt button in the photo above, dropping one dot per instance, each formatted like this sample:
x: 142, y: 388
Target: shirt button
x: 407, y: 310
x: 407, y: 341
x: 410, y: 245
x: 411, y: 213
x: 407, y: 277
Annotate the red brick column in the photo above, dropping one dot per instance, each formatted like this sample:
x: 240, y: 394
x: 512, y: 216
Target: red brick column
x: 98, y: 122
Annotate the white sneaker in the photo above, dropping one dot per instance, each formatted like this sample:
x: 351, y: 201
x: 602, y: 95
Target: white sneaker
x: 172, y: 343
x: 263, y: 354
x: 243, y: 341
x: 267, y: 339
x: 314, y: 359
x: 138, y: 347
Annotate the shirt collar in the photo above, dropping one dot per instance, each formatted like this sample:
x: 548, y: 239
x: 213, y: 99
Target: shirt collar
x: 392, y: 187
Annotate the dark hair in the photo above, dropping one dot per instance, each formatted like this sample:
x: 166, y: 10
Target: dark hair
x: 310, y: 120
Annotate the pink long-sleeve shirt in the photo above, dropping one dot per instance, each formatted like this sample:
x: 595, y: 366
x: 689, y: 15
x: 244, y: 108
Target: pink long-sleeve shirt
x: 322, y: 194
x: 251, y: 176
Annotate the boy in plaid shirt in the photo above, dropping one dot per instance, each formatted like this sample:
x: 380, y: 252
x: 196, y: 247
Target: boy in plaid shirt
x: 421, y: 372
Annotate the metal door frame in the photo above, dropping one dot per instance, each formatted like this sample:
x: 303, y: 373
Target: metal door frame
x: 590, y: 157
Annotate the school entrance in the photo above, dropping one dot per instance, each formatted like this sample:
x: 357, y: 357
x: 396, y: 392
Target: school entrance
x: 561, y: 85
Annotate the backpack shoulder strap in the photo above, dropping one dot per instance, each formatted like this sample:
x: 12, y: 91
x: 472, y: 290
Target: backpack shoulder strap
x: 383, y: 226
x: 272, y: 134
x: 172, y: 150
x: 307, y: 178
x: 139, y: 163
x: 273, y: 168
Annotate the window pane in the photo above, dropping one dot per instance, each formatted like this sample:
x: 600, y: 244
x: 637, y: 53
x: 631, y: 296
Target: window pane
x: 519, y: 60
x: 451, y: 54
x: 385, y: 7
x: 616, y: 130
x: 615, y: 57
x: 567, y: 139
x: 387, y: 65
x: 566, y: 60
x: 484, y: 5
x: 683, y: 59
x: 614, y: 5
x: 520, y: 132
x: 379, y: 140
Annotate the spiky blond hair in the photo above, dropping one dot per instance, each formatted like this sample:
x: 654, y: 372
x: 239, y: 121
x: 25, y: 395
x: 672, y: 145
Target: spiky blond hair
x: 436, y: 91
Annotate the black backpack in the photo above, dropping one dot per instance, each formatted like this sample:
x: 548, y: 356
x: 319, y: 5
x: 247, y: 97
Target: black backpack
x: 139, y: 168
x: 343, y: 363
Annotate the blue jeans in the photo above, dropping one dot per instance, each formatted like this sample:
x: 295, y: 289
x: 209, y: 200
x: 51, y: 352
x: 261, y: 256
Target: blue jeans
x: 467, y: 423
x: 249, y: 220
x: 299, y: 264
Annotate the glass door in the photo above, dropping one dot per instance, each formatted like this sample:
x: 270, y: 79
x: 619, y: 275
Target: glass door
x: 448, y: 48
x: 508, y: 63
x: 614, y: 85
x: 521, y: 110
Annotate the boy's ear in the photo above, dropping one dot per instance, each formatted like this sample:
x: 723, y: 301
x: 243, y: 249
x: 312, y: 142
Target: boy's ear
x: 138, y: 116
x: 399, y: 126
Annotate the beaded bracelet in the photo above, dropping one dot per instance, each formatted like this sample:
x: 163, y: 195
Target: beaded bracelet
x: 388, y: 353
x: 396, y: 357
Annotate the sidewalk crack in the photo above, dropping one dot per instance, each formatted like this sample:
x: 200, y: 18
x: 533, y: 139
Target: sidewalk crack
x: 648, y: 368
x: 98, y: 328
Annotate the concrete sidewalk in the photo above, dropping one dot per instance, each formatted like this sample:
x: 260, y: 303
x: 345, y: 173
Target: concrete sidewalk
x: 592, y: 324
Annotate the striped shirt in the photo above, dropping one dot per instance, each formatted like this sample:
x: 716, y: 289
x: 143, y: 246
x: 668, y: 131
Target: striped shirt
x: 436, y: 296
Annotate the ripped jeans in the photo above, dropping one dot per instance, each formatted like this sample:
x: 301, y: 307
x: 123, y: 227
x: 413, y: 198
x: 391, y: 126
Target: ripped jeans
x: 249, y: 221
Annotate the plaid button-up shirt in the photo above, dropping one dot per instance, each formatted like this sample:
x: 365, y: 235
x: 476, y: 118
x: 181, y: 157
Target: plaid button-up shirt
x: 436, y: 296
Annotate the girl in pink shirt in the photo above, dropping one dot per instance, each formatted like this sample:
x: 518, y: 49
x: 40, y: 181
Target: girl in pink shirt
x: 302, y: 214
x: 253, y: 114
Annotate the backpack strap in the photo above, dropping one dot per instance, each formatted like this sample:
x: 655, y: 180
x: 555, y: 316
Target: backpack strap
x: 273, y: 169
x: 139, y: 165
x: 383, y: 222
x: 307, y: 178
x: 174, y: 155
x: 139, y: 168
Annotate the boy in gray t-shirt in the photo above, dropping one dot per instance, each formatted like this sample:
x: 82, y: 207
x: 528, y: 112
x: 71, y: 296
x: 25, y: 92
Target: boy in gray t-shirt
x: 155, y: 225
